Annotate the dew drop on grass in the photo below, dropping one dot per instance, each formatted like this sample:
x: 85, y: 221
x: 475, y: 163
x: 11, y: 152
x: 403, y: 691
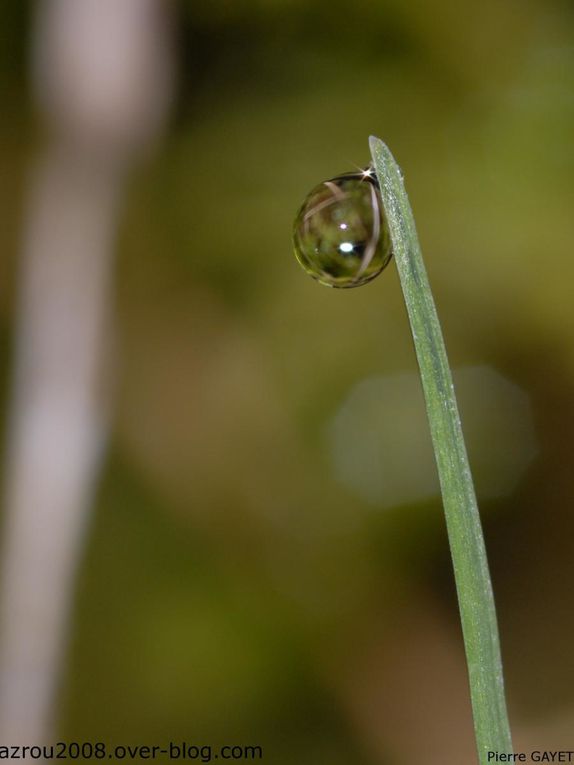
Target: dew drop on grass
x: 341, y: 235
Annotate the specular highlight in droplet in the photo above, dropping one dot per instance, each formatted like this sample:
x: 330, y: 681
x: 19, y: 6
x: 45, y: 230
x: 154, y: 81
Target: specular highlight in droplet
x: 341, y: 236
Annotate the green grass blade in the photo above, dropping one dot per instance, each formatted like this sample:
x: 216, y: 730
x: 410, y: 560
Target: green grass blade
x: 476, y: 602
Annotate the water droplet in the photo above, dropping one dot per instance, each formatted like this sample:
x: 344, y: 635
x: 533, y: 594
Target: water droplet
x: 341, y: 235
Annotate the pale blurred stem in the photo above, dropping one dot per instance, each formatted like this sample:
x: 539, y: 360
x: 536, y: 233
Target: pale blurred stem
x: 474, y: 588
x: 103, y: 75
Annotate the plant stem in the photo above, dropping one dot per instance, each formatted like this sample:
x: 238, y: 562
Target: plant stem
x: 474, y: 588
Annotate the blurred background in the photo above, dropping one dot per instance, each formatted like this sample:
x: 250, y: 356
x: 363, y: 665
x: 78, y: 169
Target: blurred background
x: 255, y: 546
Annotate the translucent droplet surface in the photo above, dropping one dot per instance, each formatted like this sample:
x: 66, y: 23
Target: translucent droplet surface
x: 341, y: 235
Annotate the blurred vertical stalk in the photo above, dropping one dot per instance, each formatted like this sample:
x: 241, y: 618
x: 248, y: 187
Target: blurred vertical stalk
x: 103, y: 80
x: 475, y: 596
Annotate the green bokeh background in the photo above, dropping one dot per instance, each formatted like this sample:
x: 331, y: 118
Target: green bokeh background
x: 234, y: 590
